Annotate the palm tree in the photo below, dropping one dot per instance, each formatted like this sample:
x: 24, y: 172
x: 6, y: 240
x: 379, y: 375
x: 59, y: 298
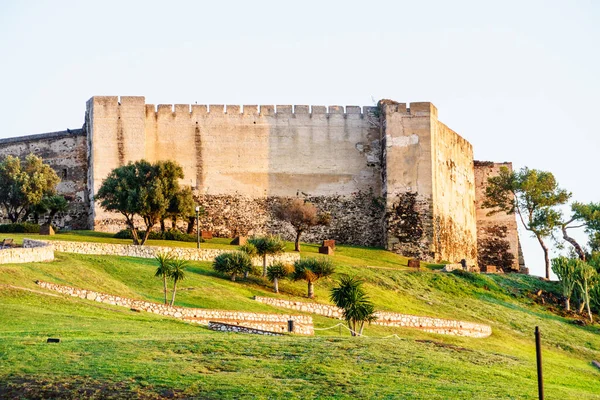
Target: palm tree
x: 352, y: 299
x: 275, y: 272
x: 311, y: 270
x: 177, y: 273
x: 267, y: 245
x: 164, y: 269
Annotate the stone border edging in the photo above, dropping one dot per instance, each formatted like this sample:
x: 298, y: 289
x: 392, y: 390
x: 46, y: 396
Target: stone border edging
x: 277, y: 323
x: 384, y: 318
x: 129, y: 250
x: 32, y: 251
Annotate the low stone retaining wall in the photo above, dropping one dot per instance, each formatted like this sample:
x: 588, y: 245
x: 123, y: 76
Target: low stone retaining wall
x: 427, y: 324
x: 222, y: 327
x: 32, y: 251
x: 303, y: 324
x: 129, y: 250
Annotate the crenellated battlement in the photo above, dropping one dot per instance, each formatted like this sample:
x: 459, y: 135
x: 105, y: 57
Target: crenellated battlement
x: 196, y: 110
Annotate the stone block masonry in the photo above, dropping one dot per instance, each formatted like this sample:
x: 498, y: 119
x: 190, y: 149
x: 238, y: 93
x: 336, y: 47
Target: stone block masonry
x: 384, y: 318
x: 126, y: 250
x: 32, y: 251
x: 303, y: 324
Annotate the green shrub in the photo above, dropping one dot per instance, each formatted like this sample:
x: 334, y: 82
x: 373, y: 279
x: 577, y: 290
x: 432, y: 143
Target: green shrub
x: 172, y: 234
x: 234, y: 263
x: 25, y: 227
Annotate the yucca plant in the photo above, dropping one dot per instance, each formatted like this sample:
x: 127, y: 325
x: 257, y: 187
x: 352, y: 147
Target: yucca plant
x: 267, y: 245
x: 352, y: 299
x: 164, y: 269
x: 311, y: 270
x: 565, y: 268
x: 234, y: 263
x: 177, y: 274
x: 277, y: 271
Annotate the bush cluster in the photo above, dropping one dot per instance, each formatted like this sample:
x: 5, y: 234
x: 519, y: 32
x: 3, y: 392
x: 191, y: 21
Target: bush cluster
x: 172, y: 234
x: 25, y: 227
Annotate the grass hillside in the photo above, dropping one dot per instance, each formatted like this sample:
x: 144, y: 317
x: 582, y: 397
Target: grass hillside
x: 108, y: 351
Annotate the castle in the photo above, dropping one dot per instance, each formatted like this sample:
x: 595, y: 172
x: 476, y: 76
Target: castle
x: 391, y: 175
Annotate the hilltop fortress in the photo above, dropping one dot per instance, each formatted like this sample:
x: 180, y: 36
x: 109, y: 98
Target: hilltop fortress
x: 391, y: 175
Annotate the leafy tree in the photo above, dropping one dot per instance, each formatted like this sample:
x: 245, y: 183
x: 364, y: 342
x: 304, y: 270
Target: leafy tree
x: 52, y: 205
x: 311, y: 270
x: 302, y: 216
x: 267, y: 245
x: 532, y: 194
x: 142, y: 189
x: 234, y: 263
x: 24, y: 184
x: 177, y: 273
x: 352, y: 299
x: 565, y: 269
x: 586, y: 278
x: 275, y: 272
x: 165, y: 263
x: 182, y: 205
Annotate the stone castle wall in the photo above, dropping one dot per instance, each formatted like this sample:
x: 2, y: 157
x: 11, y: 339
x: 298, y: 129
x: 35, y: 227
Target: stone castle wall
x: 496, y: 233
x: 391, y: 176
x: 428, y: 185
x: 254, y: 151
x: 66, y: 153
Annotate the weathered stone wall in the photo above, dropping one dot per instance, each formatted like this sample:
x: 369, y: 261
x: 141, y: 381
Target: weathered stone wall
x: 32, y: 251
x: 303, y: 324
x: 427, y: 324
x: 257, y: 152
x: 428, y: 185
x: 128, y: 250
x: 66, y: 153
x: 355, y: 219
x: 497, y: 235
x: 454, y: 220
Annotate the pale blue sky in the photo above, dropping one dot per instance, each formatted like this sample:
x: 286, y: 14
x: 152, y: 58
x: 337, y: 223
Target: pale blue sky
x: 518, y: 79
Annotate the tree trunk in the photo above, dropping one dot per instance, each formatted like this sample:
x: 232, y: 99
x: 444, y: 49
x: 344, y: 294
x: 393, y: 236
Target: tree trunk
x: 311, y: 290
x: 275, y: 285
x: 568, y: 303
x: 162, y: 225
x: 546, y: 255
x: 246, y: 274
x: 190, y: 225
x: 581, y: 306
x: 174, y: 222
x: 174, y: 291
x: 297, y: 242
x: 587, y: 302
x: 574, y: 243
x: 264, y: 265
x: 147, y: 233
x: 362, y: 326
x: 165, y: 287
x: 233, y: 277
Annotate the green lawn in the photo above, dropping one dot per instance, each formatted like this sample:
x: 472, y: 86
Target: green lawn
x: 112, y: 351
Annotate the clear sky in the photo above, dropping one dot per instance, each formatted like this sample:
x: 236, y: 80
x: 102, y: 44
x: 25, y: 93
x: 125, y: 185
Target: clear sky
x: 518, y: 79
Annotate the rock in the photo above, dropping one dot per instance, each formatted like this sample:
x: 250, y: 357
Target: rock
x: 414, y: 263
